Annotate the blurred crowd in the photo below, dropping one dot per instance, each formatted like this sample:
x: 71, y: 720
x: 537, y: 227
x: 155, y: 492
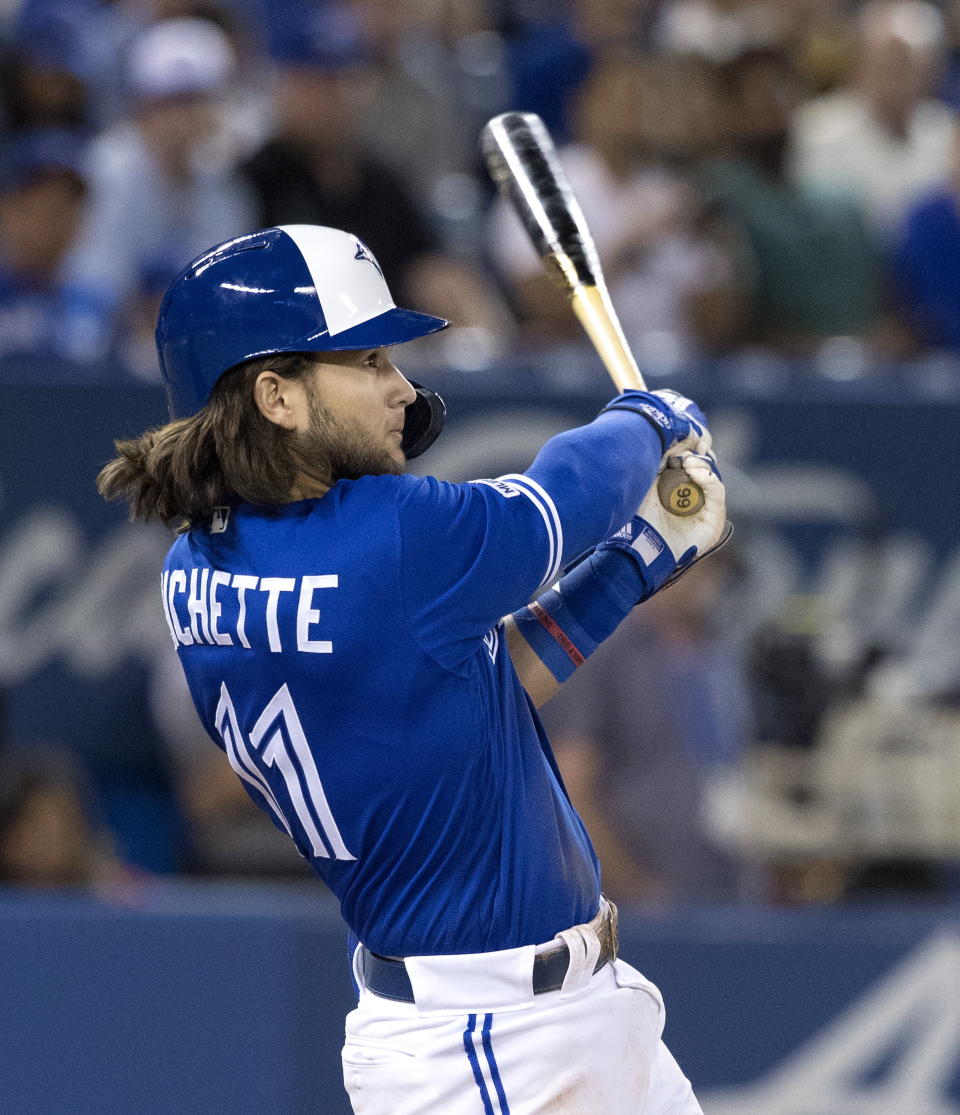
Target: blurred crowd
x: 781, y: 174
x: 772, y: 175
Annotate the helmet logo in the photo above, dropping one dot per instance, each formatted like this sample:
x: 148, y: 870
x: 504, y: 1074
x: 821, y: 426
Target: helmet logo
x: 362, y: 253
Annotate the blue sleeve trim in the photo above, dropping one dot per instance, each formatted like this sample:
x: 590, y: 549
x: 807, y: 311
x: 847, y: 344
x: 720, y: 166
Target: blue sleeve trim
x: 542, y: 500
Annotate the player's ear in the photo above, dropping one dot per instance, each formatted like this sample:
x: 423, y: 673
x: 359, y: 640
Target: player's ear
x: 274, y: 397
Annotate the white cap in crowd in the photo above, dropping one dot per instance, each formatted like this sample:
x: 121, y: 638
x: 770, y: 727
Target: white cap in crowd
x: 177, y: 57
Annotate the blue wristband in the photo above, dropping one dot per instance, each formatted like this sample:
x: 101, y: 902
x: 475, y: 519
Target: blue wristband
x: 550, y: 627
x: 567, y: 624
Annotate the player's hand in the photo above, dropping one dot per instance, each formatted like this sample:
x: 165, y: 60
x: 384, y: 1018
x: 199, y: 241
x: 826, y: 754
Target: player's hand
x: 679, y: 422
x: 664, y: 546
x: 693, y: 535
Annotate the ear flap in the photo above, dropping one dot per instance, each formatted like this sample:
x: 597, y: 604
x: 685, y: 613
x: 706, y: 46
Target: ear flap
x: 423, y: 422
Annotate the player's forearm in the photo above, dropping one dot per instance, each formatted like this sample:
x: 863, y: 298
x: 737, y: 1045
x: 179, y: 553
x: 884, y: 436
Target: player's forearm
x: 566, y: 624
x: 597, y: 475
x: 556, y: 633
x: 534, y: 675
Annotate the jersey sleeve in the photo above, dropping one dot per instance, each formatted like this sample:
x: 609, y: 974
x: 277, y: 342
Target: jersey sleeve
x: 470, y: 553
x: 473, y: 552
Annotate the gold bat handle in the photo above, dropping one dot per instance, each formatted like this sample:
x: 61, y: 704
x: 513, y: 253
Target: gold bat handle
x: 595, y: 312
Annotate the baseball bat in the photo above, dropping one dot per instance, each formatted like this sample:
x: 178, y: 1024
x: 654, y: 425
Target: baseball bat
x: 523, y: 162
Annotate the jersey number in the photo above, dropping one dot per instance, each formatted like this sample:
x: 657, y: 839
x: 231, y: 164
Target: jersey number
x: 279, y: 740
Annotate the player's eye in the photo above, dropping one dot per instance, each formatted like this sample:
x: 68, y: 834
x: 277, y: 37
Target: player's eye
x: 372, y: 361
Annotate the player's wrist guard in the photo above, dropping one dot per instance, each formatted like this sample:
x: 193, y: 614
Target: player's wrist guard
x: 567, y: 624
x: 674, y: 417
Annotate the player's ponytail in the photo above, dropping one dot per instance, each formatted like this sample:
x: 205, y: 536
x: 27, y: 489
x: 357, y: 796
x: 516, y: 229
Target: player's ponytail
x: 178, y: 473
x: 169, y: 473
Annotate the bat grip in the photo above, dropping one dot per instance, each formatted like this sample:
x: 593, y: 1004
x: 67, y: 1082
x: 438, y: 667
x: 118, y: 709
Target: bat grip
x: 595, y: 312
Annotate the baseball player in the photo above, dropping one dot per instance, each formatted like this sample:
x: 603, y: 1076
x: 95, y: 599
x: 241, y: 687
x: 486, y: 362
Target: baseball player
x: 341, y: 627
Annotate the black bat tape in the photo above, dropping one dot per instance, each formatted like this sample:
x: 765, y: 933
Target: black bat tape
x: 523, y: 162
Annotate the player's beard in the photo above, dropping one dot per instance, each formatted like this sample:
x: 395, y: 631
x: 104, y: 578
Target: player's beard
x: 332, y: 450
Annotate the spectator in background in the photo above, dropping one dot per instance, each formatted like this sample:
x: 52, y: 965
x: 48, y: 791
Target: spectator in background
x: 550, y: 57
x: 927, y: 263
x: 85, y: 39
x: 668, y: 272
x: 817, y: 35
x: 810, y: 263
x: 161, y: 188
x: 48, y: 837
x: 884, y: 136
x: 42, y: 191
x: 316, y: 169
x: 431, y: 89
x: 40, y: 87
x: 948, y: 88
x: 820, y: 38
x: 648, y: 738
x: 719, y: 29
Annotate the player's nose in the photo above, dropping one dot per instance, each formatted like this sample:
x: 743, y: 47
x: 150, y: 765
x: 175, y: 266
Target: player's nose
x: 403, y: 391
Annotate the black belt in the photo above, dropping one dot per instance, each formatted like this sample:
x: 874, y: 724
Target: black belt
x: 388, y: 977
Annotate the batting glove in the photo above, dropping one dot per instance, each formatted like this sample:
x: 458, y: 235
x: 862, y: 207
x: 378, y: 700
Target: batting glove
x: 664, y: 546
x: 679, y: 422
x: 566, y: 625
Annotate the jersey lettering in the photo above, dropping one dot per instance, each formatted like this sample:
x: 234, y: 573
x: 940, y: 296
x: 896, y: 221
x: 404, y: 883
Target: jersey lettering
x: 221, y: 638
x: 177, y: 583
x: 273, y: 586
x: 280, y: 741
x: 218, y: 606
x: 508, y: 491
x: 308, y: 616
x: 197, y: 606
x: 239, y: 757
x: 241, y: 583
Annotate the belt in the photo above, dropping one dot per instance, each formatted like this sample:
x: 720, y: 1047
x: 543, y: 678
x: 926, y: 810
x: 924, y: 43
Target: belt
x: 388, y: 977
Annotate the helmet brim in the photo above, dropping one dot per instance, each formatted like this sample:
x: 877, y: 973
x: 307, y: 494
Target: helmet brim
x: 395, y: 326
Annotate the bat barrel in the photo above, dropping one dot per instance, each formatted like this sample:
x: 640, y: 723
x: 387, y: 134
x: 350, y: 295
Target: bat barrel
x: 522, y: 161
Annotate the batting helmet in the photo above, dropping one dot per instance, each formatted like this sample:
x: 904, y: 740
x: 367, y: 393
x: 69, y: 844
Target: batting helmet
x: 295, y: 288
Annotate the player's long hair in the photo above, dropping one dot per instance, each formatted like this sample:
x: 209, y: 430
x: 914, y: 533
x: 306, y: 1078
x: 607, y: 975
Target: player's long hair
x: 225, y: 453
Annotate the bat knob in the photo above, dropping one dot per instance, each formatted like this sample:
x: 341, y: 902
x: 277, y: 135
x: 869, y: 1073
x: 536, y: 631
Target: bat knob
x: 678, y: 494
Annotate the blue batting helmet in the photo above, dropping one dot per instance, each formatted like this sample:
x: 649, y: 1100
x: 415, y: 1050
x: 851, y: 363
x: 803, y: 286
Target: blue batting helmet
x: 295, y: 288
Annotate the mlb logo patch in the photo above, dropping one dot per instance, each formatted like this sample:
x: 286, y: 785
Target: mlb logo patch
x: 507, y: 490
x: 219, y: 520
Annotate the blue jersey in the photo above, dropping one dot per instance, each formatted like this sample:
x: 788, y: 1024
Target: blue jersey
x: 348, y: 655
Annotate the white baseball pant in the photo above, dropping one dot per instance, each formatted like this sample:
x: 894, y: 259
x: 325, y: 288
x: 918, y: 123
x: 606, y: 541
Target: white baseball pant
x: 593, y: 1046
